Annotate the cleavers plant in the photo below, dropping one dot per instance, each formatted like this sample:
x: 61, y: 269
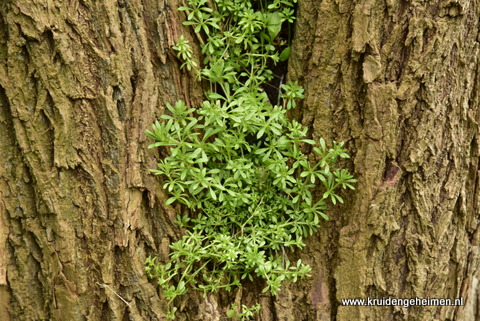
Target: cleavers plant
x: 236, y: 161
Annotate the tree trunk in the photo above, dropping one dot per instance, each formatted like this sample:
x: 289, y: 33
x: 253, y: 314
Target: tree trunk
x: 81, y: 80
x: 399, y: 81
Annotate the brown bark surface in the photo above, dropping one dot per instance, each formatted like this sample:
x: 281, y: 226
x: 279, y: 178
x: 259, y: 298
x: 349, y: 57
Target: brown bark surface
x: 81, y: 80
x: 399, y: 81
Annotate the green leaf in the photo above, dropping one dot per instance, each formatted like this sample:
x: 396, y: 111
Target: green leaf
x: 322, y: 144
x: 213, y: 95
x: 308, y: 141
x: 285, y: 54
x: 339, y: 198
x: 212, y: 194
x: 274, y: 24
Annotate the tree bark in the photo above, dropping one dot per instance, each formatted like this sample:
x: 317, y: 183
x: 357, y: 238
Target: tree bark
x: 399, y: 81
x: 81, y: 80
x: 80, y: 83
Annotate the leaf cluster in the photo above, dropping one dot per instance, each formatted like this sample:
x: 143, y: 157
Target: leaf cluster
x: 236, y: 161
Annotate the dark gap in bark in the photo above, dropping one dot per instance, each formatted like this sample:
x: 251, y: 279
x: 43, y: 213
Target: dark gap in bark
x: 121, y: 18
x: 403, y: 6
x: 332, y: 289
x: 273, y: 87
x: 126, y: 314
x: 105, y: 311
x: 273, y: 309
x: 133, y: 83
x: 332, y: 253
x: 34, y: 248
x: 387, y: 28
x: 146, y: 202
x: 47, y: 37
x: 3, y: 25
x: 121, y: 107
x: 361, y: 93
x: 474, y: 180
x: 280, y: 69
x: 401, y: 253
x: 427, y: 36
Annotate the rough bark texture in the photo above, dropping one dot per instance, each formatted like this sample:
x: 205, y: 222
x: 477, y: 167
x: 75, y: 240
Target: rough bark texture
x: 399, y: 81
x: 81, y: 80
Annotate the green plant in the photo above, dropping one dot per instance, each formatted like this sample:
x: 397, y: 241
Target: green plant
x: 236, y: 161
x: 245, y: 315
